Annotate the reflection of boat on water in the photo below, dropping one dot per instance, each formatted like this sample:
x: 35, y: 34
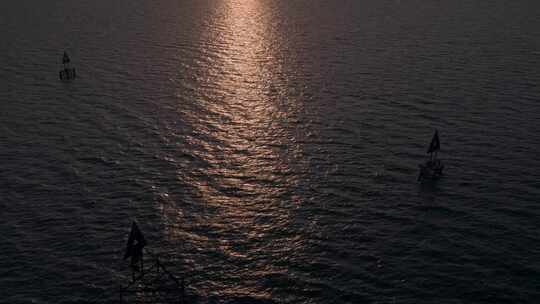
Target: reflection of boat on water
x: 433, y: 168
x: 68, y: 73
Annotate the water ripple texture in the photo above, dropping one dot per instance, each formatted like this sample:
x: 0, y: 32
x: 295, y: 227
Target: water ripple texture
x: 269, y: 149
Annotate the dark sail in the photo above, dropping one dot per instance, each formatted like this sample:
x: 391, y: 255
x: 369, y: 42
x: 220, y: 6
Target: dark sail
x: 135, y: 244
x: 435, y: 144
x: 65, y: 59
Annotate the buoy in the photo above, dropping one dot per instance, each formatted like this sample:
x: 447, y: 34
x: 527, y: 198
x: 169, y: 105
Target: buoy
x: 68, y: 73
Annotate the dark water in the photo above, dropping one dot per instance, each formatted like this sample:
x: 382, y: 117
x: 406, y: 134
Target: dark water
x: 269, y: 149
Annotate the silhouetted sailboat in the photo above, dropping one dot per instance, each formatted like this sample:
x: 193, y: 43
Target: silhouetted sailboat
x: 67, y: 73
x: 150, y: 283
x: 433, y: 168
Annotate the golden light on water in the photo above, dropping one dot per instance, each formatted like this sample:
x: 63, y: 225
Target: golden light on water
x: 244, y: 144
x: 243, y: 136
x: 248, y: 72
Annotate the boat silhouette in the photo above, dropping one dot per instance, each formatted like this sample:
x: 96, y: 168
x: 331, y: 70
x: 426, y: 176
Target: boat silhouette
x: 433, y: 167
x: 67, y: 73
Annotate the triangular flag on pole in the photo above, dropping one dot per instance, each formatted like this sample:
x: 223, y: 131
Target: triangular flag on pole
x: 65, y: 58
x: 435, y: 144
x: 135, y: 244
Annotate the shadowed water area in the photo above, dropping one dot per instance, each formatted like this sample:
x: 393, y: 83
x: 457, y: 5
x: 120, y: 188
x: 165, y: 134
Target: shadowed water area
x: 269, y: 149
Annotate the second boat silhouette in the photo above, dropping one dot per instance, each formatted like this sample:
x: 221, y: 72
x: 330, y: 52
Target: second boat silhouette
x: 68, y: 73
x: 432, y: 168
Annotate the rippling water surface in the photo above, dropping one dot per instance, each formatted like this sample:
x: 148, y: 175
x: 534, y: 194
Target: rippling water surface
x: 269, y: 149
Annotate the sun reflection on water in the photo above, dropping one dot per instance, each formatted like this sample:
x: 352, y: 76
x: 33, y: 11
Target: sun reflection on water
x: 252, y: 141
x: 247, y: 153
